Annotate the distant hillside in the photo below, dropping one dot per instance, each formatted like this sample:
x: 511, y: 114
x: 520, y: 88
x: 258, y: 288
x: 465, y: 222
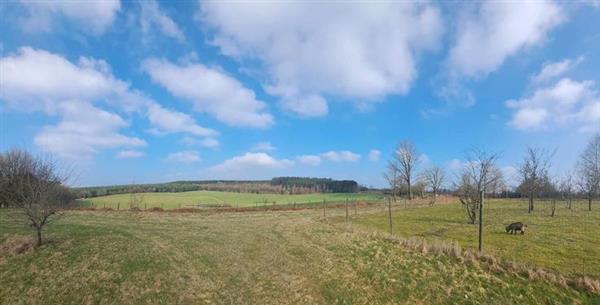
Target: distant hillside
x: 278, y: 185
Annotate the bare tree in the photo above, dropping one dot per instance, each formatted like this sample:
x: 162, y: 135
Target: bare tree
x: 434, y: 177
x: 391, y: 176
x: 479, y: 172
x: 33, y: 185
x: 566, y: 189
x: 405, y: 160
x: 534, y: 173
x: 589, y: 169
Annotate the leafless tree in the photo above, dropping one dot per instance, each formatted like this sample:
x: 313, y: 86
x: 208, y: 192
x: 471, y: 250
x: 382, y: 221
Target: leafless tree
x: 405, y: 160
x: 391, y: 176
x: 589, y: 169
x: 434, y: 177
x: 479, y: 172
x: 534, y: 173
x: 34, y: 186
x: 567, y: 188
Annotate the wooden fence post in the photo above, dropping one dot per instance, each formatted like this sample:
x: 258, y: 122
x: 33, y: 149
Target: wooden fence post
x: 481, y: 221
x: 390, y: 215
x: 324, y: 208
x: 118, y: 206
x: 347, y: 219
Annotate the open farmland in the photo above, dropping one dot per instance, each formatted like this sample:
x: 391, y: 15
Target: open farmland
x: 292, y: 257
x: 214, y: 198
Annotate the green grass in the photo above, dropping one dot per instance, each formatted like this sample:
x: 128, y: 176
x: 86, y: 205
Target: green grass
x: 285, y: 257
x: 210, y: 198
x: 569, y: 242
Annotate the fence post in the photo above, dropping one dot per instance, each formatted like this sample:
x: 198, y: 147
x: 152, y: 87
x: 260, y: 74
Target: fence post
x: 118, y: 206
x: 145, y: 206
x: 390, y: 215
x: 355, y: 208
x: 347, y: 211
x: 324, y: 208
x: 481, y: 221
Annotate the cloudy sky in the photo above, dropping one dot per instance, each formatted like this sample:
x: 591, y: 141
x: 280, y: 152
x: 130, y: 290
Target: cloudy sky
x: 157, y: 91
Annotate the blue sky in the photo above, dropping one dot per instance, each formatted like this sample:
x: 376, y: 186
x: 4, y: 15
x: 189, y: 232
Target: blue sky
x: 157, y: 91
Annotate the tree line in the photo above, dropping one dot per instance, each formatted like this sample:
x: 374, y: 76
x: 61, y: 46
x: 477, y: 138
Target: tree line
x: 480, y: 173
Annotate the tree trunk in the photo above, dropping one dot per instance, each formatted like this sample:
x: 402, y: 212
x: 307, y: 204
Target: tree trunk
x: 590, y: 202
x: 39, y: 237
x: 409, y: 192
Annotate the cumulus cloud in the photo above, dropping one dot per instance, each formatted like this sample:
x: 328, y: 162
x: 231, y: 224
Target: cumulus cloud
x: 497, y: 30
x: 187, y: 156
x: 309, y: 160
x: 206, y: 142
x: 92, y: 16
x: 251, y: 164
x: 37, y: 80
x: 555, y: 69
x: 211, y: 91
x: 341, y: 156
x: 151, y: 18
x: 167, y: 121
x: 308, y: 50
x: 263, y: 146
x: 130, y: 154
x: 562, y: 103
x: 374, y: 155
x: 83, y: 131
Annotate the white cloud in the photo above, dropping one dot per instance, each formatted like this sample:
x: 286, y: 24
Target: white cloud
x: 497, y: 30
x: 510, y: 174
x: 455, y: 164
x: 92, y: 16
x: 374, y: 155
x: 564, y: 102
x: 310, y: 50
x: 36, y: 79
x: 152, y: 18
x: 341, y: 156
x: 171, y: 121
x: 129, y: 154
x: 211, y: 91
x: 249, y: 165
x: 555, y: 69
x: 206, y: 142
x: 187, y: 156
x: 84, y: 130
x: 309, y: 160
x: 263, y: 146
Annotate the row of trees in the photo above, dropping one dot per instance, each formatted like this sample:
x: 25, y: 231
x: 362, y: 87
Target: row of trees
x: 402, y: 177
x: 34, y: 186
x: 481, y: 173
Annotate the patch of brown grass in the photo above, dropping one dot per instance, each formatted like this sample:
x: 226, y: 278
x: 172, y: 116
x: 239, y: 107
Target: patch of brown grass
x: 16, y: 245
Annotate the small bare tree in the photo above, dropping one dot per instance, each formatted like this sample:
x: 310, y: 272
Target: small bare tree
x: 391, y: 177
x: 405, y: 160
x: 534, y: 173
x: 589, y: 169
x: 567, y: 188
x: 479, y: 172
x: 434, y: 177
x: 35, y: 187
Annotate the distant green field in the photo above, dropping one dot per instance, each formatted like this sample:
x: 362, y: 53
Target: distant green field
x: 210, y: 198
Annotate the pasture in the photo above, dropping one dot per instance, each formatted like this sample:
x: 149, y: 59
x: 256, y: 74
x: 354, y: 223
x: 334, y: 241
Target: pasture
x: 568, y: 243
x: 213, y: 198
x: 283, y: 257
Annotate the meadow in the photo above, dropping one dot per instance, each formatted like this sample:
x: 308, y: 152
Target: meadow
x: 281, y: 257
x: 215, y: 198
x: 568, y: 243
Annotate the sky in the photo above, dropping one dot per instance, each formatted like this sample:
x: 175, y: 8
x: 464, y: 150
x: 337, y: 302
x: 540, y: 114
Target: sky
x: 152, y: 91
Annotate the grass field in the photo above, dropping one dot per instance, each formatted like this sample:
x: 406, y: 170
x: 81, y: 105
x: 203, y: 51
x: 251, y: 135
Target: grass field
x: 284, y: 257
x: 569, y: 242
x: 210, y: 198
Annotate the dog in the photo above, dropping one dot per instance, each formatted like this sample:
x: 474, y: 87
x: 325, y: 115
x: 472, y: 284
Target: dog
x: 516, y: 226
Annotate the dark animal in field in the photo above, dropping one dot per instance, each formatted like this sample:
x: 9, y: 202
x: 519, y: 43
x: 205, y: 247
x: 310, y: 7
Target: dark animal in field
x: 516, y: 226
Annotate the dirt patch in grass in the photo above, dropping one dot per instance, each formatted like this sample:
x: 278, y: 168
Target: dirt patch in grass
x: 16, y: 245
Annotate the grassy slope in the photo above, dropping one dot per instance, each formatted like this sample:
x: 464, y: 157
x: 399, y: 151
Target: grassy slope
x: 190, y: 199
x: 568, y: 243
x: 244, y: 258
